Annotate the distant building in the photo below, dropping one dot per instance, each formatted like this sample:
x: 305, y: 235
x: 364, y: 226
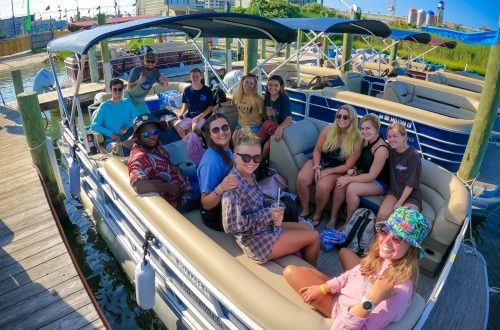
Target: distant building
x: 216, y: 4
x: 302, y: 2
x: 161, y: 7
x: 412, y: 16
x: 429, y: 17
x: 421, y: 17
x: 440, y: 13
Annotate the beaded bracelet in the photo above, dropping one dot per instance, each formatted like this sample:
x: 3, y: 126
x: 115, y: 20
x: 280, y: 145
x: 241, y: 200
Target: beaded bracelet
x: 216, y: 193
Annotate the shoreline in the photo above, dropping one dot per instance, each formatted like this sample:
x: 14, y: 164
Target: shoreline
x: 16, y: 61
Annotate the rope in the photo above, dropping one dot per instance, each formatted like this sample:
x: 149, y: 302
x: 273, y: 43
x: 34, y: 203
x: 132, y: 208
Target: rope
x: 38, y: 146
x: 68, y: 248
x: 493, y: 290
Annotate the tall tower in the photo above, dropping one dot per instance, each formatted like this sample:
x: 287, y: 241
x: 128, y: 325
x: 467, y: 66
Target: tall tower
x: 440, y: 13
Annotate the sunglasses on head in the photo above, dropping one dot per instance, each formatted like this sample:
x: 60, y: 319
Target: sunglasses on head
x: 117, y: 89
x: 384, y: 231
x: 246, y: 157
x: 152, y: 132
x: 345, y: 117
x: 216, y: 130
x: 150, y: 61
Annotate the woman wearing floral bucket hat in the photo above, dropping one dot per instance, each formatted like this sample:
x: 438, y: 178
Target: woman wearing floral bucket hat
x: 379, y: 289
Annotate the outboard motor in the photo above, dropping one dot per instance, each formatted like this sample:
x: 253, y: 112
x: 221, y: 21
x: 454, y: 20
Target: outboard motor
x: 44, y: 81
x: 232, y: 78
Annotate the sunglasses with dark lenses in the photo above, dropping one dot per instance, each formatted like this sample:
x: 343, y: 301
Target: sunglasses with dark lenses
x: 153, y: 132
x: 384, y: 231
x: 246, y: 158
x: 216, y: 130
x: 150, y: 62
x: 345, y: 117
x: 117, y: 89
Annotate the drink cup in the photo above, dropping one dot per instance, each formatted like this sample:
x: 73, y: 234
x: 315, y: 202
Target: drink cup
x: 277, y: 211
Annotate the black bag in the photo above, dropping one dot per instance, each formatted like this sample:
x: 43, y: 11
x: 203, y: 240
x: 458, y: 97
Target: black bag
x: 212, y: 218
x: 359, y: 231
x: 292, y: 208
x: 219, y: 95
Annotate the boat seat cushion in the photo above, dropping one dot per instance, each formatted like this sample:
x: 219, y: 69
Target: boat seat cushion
x: 398, y: 91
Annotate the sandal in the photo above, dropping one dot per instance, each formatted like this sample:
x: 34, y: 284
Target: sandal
x: 305, y: 217
x: 316, y: 222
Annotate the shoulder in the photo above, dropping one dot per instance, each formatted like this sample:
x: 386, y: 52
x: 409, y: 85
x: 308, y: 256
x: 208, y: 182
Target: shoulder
x: 187, y: 89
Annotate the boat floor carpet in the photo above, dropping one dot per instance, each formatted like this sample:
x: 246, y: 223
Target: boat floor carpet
x: 454, y: 310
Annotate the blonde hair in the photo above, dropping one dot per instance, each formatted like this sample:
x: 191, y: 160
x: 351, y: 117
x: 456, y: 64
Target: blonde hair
x: 353, y: 139
x: 371, y: 117
x: 401, y: 269
x: 400, y: 127
x: 256, y: 100
x: 245, y: 137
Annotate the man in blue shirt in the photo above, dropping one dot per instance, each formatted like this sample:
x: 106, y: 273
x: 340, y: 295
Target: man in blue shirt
x: 114, y: 117
x: 197, y: 103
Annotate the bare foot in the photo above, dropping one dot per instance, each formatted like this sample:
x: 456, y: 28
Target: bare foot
x: 330, y: 224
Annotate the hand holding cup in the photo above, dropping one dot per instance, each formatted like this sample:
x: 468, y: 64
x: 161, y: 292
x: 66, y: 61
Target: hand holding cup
x: 277, y: 211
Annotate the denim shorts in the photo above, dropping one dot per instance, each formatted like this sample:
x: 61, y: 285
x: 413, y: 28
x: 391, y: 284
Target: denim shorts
x: 382, y: 185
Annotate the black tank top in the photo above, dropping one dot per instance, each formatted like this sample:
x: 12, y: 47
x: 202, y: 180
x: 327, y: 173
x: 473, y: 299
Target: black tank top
x: 332, y: 158
x: 365, y: 161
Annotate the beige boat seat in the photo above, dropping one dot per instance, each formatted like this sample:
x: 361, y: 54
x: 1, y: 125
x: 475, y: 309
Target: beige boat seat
x: 445, y: 198
x: 203, y: 247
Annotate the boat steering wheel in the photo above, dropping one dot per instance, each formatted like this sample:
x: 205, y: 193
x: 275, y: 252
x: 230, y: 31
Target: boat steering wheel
x: 385, y: 73
x: 314, y: 82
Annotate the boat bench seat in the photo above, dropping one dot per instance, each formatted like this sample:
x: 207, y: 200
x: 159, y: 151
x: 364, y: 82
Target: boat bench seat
x: 442, y: 192
x: 438, y: 101
x: 218, y: 257
x: 466, y: 83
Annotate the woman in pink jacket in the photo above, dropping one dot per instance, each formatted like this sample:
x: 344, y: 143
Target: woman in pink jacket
x: 379, y: 289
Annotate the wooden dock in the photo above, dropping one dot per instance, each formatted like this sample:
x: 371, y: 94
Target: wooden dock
x: 49, y: 100
x: 39, y: 285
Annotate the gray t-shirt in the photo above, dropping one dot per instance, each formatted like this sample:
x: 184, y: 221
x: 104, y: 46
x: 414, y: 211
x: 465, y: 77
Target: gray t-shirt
x: 139, y: 92
x: 406, y: 169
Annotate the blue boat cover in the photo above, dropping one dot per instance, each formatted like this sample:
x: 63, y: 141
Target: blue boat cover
x: 480, y: 38
x: 338, y: 25
x: 223, y: 25
x: 404, y: 35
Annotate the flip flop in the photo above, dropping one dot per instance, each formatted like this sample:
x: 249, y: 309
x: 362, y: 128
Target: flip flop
x: 316, y: 222
x: 307, y: 216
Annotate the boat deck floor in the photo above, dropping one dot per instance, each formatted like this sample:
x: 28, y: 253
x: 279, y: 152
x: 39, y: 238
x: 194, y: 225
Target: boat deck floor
x: 39, y: 285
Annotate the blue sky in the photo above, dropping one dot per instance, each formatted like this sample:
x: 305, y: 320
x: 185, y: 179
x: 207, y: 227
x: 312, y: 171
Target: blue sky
x: 468, y: 13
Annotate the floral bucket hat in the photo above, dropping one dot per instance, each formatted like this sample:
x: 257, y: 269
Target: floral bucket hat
x: 408, y: 224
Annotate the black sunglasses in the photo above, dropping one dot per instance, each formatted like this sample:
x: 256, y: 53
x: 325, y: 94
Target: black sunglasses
x: 153, y: 132
x: 150, y: 62
x: 216, y: 130
x: 345, y: 117
x: 117, y: 89
x: 246, y: 157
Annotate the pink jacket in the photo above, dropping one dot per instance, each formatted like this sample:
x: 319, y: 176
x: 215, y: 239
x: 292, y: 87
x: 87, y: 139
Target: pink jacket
x: 351, y: 287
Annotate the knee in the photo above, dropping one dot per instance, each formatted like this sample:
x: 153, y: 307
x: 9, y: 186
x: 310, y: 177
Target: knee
x: 289, y: 271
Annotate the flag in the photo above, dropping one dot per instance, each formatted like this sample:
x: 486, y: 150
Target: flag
x: 27, y: 24
x: 48, y: 8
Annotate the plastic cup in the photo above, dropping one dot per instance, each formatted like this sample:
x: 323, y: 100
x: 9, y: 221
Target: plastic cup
x: 277, y: 210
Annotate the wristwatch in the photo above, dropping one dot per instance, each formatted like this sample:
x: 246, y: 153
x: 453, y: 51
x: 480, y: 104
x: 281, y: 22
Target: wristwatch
x: 367, y: 304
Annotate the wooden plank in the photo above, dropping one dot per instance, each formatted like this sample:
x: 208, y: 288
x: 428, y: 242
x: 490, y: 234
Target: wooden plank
x: 29, y: 250
x: 75, y: 320
x: 18, y: 183
x: 24, y: 228
x: 94, y: 325
x: 31, y: 289
x: 34, y: 273
x: 32, y: 261
x: 27, y: 241
x: 9, y: 203
x: 20, y: 205
x: 38, y: 305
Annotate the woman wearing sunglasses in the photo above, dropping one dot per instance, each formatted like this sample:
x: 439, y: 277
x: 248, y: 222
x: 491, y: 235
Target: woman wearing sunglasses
x: 150, y: 169
x: 214, y: 168
x: 142, y: 79
x: 378, y: 289
x: 371, y: 174
x: 245, y: 216
x: 337, y: 150
x: 405, y: 171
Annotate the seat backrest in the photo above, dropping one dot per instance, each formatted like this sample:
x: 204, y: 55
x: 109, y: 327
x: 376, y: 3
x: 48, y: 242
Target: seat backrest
x: 353, y: 81
x: 285, y: 76
x: 293, y: 150
x: 437, y: 78
x: 398, y: 91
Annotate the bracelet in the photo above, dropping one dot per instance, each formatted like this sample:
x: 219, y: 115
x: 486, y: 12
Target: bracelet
x: 216, y: 193
x: 323, y: 289
x: 315, y: 167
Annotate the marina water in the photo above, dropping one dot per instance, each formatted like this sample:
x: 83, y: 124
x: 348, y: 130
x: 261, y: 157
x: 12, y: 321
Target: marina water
x: 114, y: 292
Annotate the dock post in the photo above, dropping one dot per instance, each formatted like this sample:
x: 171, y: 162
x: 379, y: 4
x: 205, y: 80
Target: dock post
x: 263, y: 49
x: 394, y: 55
x: 346, y: 52
x: 106, y: 66
x: 485, y: 118
x: 250, y: 53
x: 326, y: 47
x: 229, y: 55
x: 287, y: 51
x: 34, y: 130
x: 94, y: 72
x: 17, y: 80
x: 238, y: 50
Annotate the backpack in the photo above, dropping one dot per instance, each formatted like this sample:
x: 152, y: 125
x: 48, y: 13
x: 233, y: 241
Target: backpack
x: 292, y: 208
x: 219, y: 95
x: 360, y: 231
